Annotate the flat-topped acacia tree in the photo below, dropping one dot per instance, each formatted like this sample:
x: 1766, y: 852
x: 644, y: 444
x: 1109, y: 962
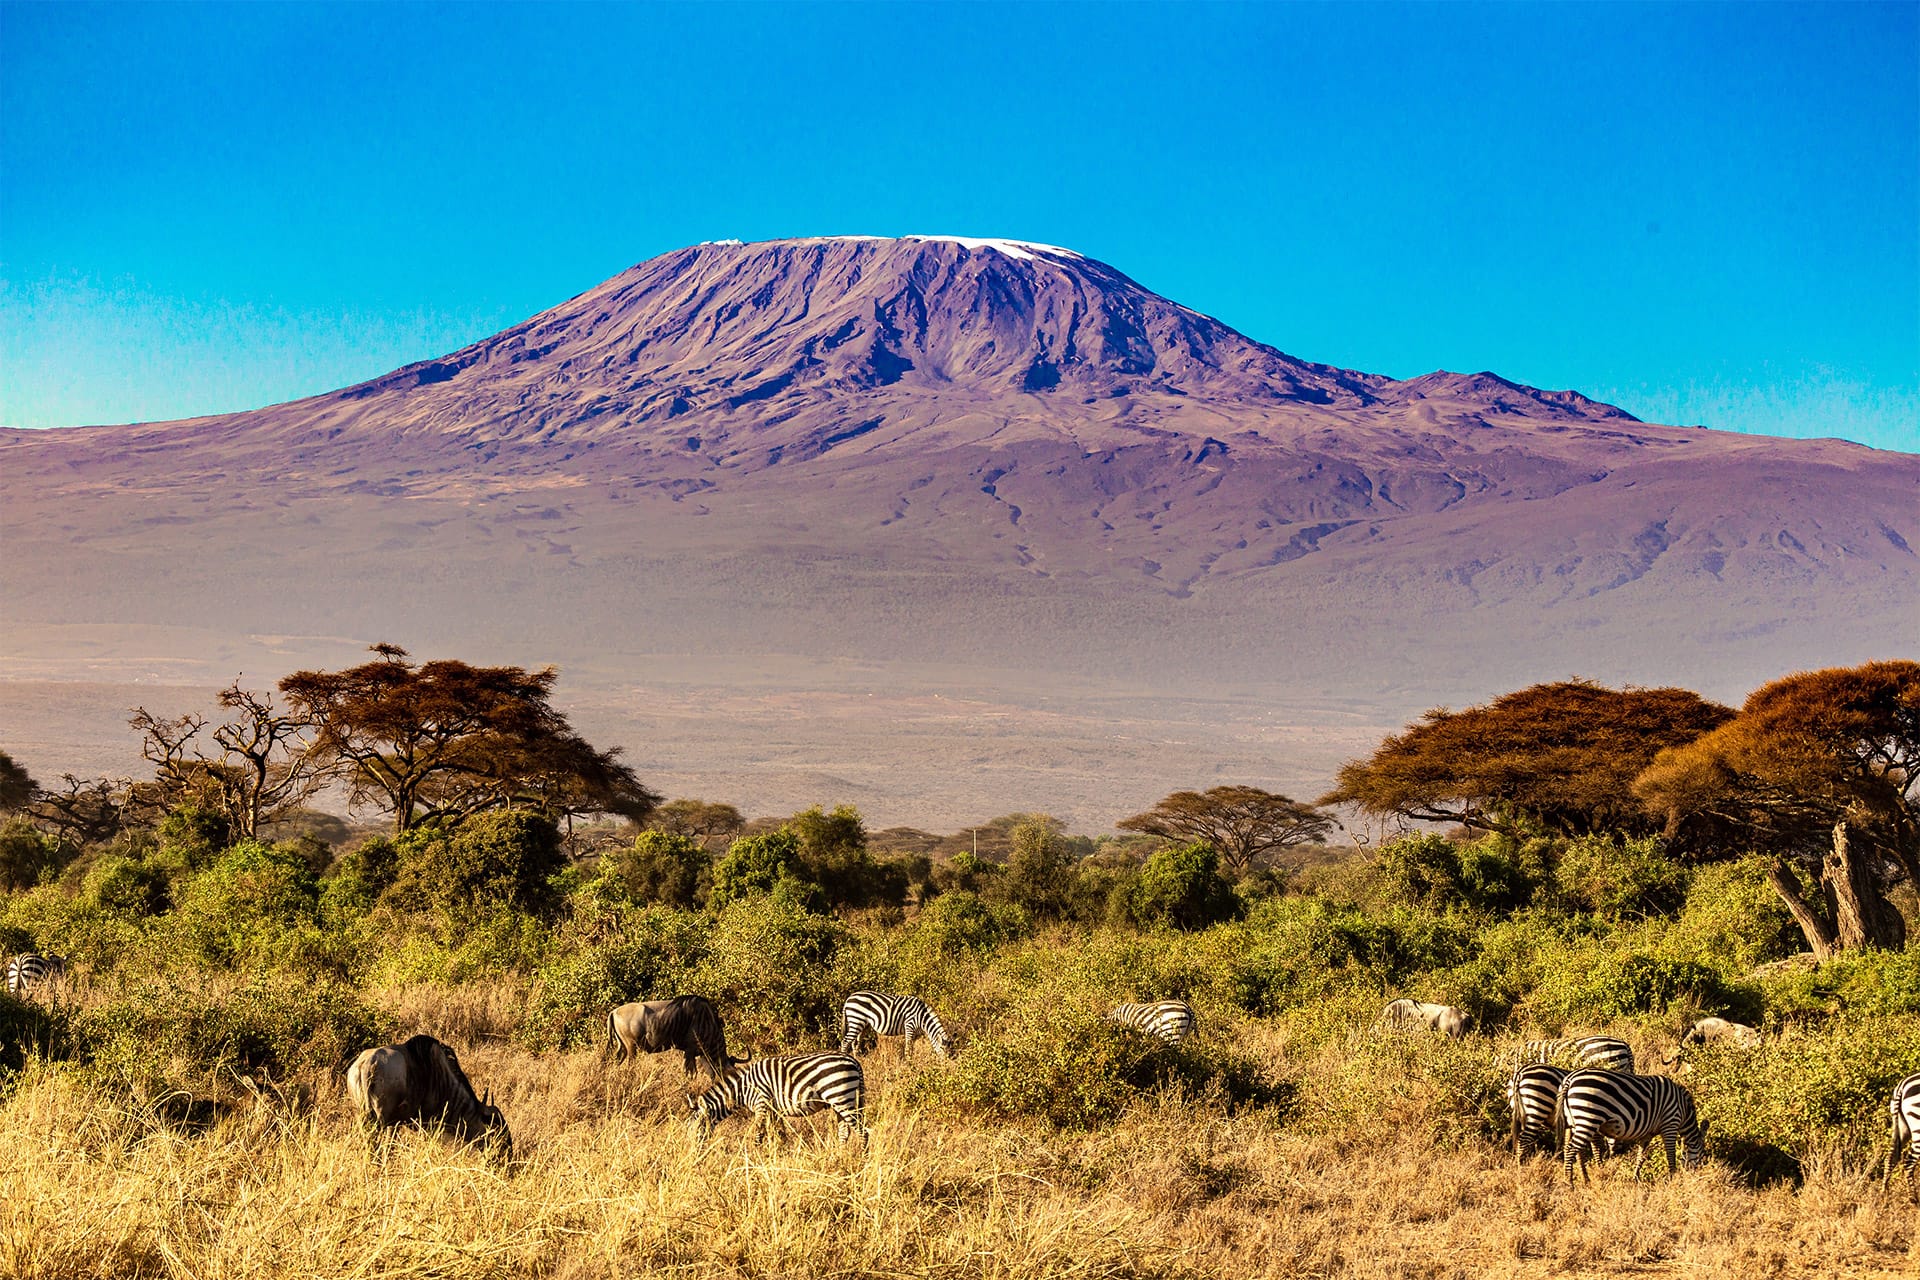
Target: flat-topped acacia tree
x: 1560, y: 757
x: 1241, y: 824
x: 445, y: 739
x: 1821, y: 771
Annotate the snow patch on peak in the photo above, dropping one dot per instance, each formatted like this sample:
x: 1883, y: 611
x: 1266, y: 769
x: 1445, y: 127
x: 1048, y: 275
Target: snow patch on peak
x: 1024, y: 250
x: 704, y: 243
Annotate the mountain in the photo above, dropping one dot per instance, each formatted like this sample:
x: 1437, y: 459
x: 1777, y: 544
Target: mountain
x: 833, y: 467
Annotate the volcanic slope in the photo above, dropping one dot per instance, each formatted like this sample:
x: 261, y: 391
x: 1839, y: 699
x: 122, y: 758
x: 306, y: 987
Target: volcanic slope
x: 934, y: 462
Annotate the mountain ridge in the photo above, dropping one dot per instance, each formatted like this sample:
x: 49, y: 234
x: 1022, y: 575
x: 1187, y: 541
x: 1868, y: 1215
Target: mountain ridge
x: 902, y: 457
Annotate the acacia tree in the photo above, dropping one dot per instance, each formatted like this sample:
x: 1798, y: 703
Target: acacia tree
x: 1242, y: 824
x: 446, y: 739
x: 1562, y: 756
x: 710, y: 824
x: 263, y: 771
x: 17, y: 787
x: 1819, y: 770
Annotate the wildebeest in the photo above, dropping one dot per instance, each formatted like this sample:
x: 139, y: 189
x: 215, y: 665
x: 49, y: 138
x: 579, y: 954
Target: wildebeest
x: 419, y: 1082
x: 686, y: 1023
x: 1716, y: 1031
x: 1412, y: 1015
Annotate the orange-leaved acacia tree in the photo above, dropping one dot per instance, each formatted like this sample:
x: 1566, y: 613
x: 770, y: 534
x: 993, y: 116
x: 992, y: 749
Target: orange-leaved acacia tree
x: 444, y: 739
x: 1242, y: 824
x: 1560, y: 757
x: 1819, y: 771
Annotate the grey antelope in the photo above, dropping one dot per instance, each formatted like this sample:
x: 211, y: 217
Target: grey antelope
x: 1905, y: 1110
x: 796, y: 1085
x: 1533, y: 1095
x: 30, y: 971
x: 419, y: 1082
x: 1631, y: 1110
x: 1168, y: 1020
x: 872, y: 1013
x: 1581, y: 1053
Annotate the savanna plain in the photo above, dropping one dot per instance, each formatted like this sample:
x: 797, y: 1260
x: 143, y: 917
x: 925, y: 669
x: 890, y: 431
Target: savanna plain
x: 174, y: 1106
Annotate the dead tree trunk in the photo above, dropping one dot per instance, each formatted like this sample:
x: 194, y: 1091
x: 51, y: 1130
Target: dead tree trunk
x: 1820, y: 934
x: 1851, y: 910
x: 1862, y: 915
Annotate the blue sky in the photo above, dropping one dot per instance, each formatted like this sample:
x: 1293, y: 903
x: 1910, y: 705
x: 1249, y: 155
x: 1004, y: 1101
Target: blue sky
x: 1705, y: 213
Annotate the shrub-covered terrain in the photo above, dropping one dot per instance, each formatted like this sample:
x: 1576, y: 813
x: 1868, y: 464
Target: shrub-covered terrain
x: 175, y: 1105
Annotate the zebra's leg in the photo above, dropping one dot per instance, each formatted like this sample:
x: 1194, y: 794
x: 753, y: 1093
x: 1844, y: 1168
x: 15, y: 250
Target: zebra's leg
x: 850, y: 1038
x: 1670, y: 1141
x: 1641, y: 1163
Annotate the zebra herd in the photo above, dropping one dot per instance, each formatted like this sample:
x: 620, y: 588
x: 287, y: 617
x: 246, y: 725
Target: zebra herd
x: 1599, y: 1098
x: 1595, y: 1098
x: 382, y: 1088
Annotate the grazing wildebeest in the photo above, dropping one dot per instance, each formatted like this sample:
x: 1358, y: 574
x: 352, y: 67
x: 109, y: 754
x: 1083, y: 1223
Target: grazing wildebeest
x: 686, y: 1023
x: 1412, y: 1015
x: 419, y: 1082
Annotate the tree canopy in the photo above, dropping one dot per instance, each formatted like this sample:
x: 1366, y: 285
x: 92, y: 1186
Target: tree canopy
x: 1561, y: 755
x: 1242, y: 824
x: 444, y: 739
x: 1819, y: 769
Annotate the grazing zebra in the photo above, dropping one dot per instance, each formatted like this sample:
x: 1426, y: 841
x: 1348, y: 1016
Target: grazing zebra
x: 1582, y: 1053
x: 1170, y: 1020
x: 871, y: 1013
x: 795, y: 1085
x: 1629, y: 1109
x: 1905, y: 1109
x: 1533, y: 1095
x: 30, y: 971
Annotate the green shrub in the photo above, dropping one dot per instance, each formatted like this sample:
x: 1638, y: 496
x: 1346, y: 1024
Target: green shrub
x: 1181, y: 887
x: 130, y: 887
x: 1732, y: 918
x: 504, y: 860
x: 242, y: 907
x: 159, y: 1035
x: 1799, y: 1091
x: 650, y: 958
x: 1618, y: 879
x: 28, y: 855
x: 766, y: 967
x: 32, y: 1029
x: 659, y: 868
x: 192, y: 836
x: 1612, y: 984
x: 768, y: 864
x: 1872, y: 984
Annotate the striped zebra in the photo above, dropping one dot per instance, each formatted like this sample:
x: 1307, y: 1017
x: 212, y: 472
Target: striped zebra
x: 30, y: 971
x: 1581, y: 1053
x: 1170, y: 1020
x: 1631, y: 1110
x: 1533, y: 1095
x: 796, y: 1085
x: 870, y: 1013
x: 1905, y: 1110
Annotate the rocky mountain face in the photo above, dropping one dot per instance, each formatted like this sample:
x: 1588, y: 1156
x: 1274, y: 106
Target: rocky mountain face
x: 935, y: 462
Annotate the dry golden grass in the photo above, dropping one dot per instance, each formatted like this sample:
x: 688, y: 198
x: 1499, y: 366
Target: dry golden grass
x: 604, y: 1183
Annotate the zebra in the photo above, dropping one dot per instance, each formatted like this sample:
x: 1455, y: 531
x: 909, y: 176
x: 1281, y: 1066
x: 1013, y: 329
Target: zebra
x: 1630, y: 1109
x: 30, y: 971
x: 1170, y: 1020
x: 1533, y: 1095
x: 795, y: 1085
x: 1583, y: 1053
x: 871, y: 1013
x: 1905, y: 1110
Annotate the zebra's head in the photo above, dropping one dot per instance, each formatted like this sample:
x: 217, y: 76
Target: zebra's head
x: 1694, y: 1139
x: 710, y: 1108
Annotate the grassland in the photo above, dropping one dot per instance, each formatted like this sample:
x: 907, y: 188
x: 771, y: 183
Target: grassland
x: 1373, y: 1168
